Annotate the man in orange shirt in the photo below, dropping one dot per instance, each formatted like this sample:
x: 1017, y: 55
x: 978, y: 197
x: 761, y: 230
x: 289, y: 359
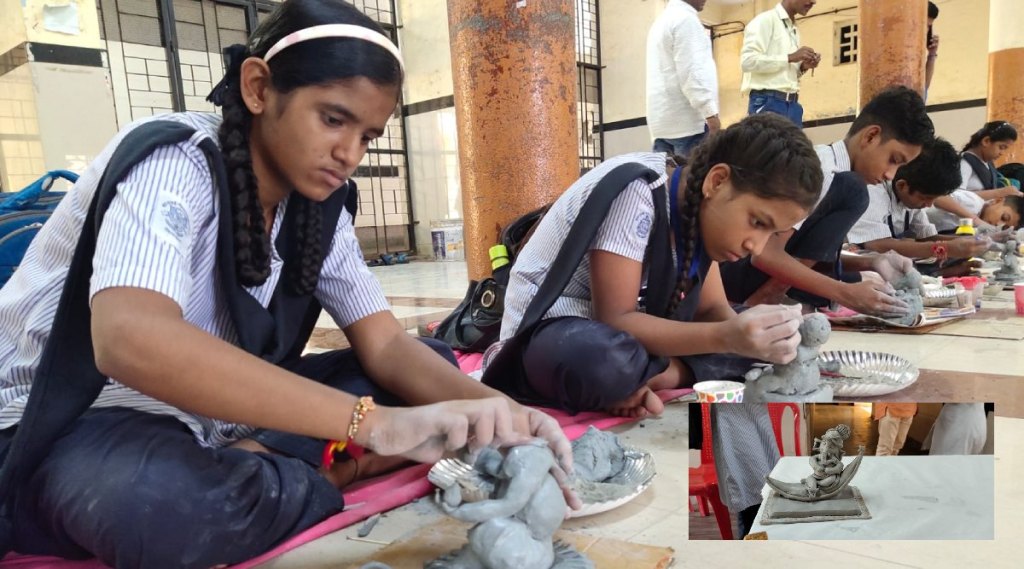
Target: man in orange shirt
x: 893, y: 423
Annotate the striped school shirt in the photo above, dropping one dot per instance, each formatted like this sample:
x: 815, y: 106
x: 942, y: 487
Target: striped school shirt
x: 886, y: 214
x: 625, y: 231
x: 160, y: 234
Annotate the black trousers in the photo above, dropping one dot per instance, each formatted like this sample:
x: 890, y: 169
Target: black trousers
x: 579, y: 364
x: 819, y: 239
x: 135, y: 489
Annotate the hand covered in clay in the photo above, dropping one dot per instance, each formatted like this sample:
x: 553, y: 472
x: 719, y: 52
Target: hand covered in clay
x: 967, y: 247
x: 764, y: 332
x: 873, y: 298
x: 891, y: 265
x: 427, y: 432
x: 998, y: 236
x: 539, y: 424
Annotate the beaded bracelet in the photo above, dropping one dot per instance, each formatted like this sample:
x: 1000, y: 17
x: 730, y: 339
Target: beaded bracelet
x: 363, y: 406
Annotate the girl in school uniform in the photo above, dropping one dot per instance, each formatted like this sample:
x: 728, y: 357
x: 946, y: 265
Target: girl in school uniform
x: 977, y: 160
x: 595, y: 349
x: 196, y: 452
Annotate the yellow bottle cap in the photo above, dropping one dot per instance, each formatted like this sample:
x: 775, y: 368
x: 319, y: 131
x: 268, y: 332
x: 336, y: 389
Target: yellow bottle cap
x: 499, y: 256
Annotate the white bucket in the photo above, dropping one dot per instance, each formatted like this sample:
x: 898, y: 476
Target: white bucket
x: 447, y: 240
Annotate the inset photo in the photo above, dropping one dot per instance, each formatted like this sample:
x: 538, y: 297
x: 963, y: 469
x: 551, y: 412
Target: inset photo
x: 892, y: 471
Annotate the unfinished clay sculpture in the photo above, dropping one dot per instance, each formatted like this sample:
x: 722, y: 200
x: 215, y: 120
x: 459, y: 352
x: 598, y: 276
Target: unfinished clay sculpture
x: 597, y: 456
x: 514, y: 526
x: 800, y: 379
x: 829, y: 476
x: 909, y: 289
x: 1009, y: 270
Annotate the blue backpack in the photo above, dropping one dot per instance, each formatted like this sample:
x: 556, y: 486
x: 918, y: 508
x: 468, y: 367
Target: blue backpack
x: 22, y: 214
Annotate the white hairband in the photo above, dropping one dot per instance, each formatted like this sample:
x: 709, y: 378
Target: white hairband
x: 335, y: 31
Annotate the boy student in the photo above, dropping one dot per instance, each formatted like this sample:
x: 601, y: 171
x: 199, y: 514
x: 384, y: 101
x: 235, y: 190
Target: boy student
x: 889, y: 132
x: 1002, y: 211
x: 896, y: 220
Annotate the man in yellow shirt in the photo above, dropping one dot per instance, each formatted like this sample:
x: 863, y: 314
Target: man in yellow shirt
x: 773, y: 60
x: 894, y: 421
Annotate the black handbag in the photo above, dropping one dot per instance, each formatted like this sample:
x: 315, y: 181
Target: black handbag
x: 476, y: 322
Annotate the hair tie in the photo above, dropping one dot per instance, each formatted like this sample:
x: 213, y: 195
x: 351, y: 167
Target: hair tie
x: 234, y: 55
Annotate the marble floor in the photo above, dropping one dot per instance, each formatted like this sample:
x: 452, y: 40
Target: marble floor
x: 973, y: 368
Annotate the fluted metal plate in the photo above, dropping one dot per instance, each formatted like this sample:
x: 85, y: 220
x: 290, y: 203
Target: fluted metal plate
x: 447, y: 470
x: 636, y: 476
x: 939, y: 297
x: 867, y: 374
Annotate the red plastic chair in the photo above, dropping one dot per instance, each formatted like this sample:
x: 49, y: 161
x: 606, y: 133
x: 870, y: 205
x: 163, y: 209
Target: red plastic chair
x: 704, y: 480
x: 775, y: 411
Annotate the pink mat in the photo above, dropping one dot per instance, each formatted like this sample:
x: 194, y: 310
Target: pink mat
x: 367, y: 498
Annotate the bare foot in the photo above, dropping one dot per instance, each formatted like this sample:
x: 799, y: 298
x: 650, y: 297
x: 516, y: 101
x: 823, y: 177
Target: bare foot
x: 677, y: 375
x: 642, y: 403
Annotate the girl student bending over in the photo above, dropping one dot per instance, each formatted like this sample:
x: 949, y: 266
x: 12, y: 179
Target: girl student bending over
x: 595, y: 349
x: 977, y: 160
x: 197, y: 453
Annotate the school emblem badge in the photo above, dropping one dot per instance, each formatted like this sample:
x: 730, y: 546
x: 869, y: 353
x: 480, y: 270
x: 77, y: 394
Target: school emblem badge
x: 643, y: 225
x: 175, y: 218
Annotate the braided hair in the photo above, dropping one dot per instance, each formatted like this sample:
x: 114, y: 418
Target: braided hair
x: 314, y: 62
x: 767, y: 155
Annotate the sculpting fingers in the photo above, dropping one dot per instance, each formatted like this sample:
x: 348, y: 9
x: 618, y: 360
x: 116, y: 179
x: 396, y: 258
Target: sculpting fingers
x: 544, y: 426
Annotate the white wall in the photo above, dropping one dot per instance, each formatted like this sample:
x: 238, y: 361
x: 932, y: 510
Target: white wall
x: 433, y: 172
x: 426, y: 49
x: 75, y: 129
x: 624, y: 25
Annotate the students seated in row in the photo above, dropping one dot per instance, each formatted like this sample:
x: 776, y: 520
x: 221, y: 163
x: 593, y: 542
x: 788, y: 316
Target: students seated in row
x: 977, y: 166
x: 888, y: 133
x: 595, y: 348
x: 895, y: 219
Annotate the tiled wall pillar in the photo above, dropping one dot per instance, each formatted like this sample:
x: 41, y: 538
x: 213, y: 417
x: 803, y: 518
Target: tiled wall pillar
x: 21, y: 151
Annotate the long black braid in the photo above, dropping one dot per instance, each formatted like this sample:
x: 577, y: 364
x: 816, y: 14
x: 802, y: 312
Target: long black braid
x: 689, y: 218
x: 767, y: 156
x: 304, y: 272
x: 314, y: 62
x: 252, y: 245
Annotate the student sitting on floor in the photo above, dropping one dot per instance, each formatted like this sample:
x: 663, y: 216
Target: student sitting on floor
x: 977, y: 162
x: 200, y: 444
x: 595, y: 349
x: 1002, y: 212
x: 896, y: 220
x: 804, y: 263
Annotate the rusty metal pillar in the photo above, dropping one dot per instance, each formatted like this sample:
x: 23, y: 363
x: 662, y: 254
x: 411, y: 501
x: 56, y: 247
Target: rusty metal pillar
x: 1006, y: 70
x: 514, y: 70
x: 893, y: 45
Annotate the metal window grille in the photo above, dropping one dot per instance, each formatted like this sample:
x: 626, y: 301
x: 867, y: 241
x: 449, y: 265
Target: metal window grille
x: 588, y: 84
x: 847, y: 43
x: 384, y: 223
